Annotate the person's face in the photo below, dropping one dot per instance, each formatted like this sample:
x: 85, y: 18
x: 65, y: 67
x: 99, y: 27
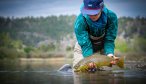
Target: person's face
x: 95, y: 17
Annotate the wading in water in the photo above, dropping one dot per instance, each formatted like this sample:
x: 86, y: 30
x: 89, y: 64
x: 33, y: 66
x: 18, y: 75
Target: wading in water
x: 96, y: 30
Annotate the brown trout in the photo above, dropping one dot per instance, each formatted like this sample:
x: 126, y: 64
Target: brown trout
x: 99, y: 60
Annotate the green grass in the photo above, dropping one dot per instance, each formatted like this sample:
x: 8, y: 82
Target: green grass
x: 121, y: 46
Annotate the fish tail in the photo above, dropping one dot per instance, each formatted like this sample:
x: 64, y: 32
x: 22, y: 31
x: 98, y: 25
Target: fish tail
x: 120, y: 63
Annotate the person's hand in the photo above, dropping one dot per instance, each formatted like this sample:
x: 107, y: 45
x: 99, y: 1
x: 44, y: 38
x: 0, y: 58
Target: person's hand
x: 116, y: 59
x: 91, y: 67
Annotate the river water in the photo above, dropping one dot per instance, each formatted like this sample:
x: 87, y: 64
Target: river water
x: 44, y: 71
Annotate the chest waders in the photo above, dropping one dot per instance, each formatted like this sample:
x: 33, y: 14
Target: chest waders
x: 97, y: 42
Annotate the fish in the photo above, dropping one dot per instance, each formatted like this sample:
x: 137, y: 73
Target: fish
x: 99, y: 60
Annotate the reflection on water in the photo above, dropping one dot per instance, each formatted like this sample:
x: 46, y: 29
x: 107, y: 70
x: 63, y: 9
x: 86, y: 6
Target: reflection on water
x: 45, y: 72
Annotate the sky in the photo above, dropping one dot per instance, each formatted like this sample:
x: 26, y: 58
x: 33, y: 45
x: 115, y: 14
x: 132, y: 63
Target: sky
x: 22, y: 8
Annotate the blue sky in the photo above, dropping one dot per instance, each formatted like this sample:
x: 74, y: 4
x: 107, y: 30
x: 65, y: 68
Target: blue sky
x: 22, y: 8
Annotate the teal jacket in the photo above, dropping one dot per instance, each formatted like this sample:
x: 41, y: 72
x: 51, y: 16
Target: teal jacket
x: 108, y: 20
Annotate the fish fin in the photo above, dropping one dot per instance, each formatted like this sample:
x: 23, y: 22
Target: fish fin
x: 110, y: 65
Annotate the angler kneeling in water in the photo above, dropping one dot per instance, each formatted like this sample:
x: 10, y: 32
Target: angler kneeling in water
x: 96, y: 31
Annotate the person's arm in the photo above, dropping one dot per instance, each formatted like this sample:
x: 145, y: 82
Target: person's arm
x: 111, y: 33
x: 83, y: 37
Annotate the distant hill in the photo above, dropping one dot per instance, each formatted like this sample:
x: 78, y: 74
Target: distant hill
x: 53, y: 29
x: 32, y: 30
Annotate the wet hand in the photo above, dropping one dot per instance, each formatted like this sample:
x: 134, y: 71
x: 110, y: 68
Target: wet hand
x: 91, y: 67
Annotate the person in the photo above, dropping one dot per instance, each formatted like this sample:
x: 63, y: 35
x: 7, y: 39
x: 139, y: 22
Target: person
x: 96, y: 30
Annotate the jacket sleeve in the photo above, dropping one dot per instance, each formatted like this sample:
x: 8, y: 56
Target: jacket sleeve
x: 83, y: 37
x: 111, y: 33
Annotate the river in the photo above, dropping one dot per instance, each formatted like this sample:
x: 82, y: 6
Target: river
x: 44, y: 71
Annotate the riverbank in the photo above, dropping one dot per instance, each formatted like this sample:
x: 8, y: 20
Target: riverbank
x: 46, y: 60
x: 41, y: 59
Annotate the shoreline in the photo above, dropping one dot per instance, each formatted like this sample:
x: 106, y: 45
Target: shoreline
x: 40, y: 59
x: 46, y: 60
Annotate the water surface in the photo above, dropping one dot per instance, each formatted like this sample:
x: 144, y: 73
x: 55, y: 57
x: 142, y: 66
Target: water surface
x: 44, y: 71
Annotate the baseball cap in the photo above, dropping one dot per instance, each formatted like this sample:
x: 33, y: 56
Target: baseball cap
x: 92, y: 7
